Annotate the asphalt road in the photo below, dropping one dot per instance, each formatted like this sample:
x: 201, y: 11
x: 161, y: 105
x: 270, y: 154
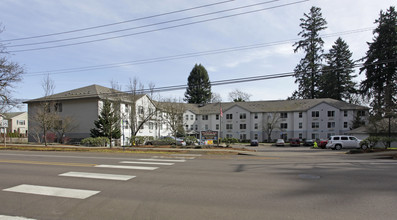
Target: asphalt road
x: 287, y: 183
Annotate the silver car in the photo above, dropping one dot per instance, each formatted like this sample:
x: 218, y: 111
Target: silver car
x: 342, y: 141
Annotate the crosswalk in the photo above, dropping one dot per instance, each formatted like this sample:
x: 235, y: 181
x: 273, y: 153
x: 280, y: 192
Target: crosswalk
x: 143, y: 164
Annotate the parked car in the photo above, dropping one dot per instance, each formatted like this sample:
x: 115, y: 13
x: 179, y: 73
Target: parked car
x: 322, y: 144
x: 309, y: 143
x: 167, y: 140
x: 295, y: 142
x: 338, y: 142
x: 254, y: 143
x: 280, y: 142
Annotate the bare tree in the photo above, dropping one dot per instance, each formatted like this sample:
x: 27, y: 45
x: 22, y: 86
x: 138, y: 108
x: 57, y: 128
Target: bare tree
x: 44, y: 118
x: 140, y: 112
x: 174, y: 115
x: 10, y: 74
x: 239, y: 96
x: 215, y: 97
x: 270, y: 124
x: 64, y: 125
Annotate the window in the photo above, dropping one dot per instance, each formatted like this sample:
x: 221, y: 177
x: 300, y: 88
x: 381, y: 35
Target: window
x: 361, y: 113
x: 191, y: 127
x: 331, y: 113
x: 206, y: 127
x: 243, y: 116
x: 143, y: 125
x: 140, y: 110
x: 229, y: 116
x: 229, y: 126
x: 300, y: 125
x: 229, y: 135
x: 243, y: 126
x: 20, y: 122
x: 125, y: 123
x: 151, y: 125
x: 217, y: 126
x: 283, y: 125
x: 300, y: 114
x: 344, y: 138
x: 256, y: 117
x: 191, y: 117
x: 345, y: 113
x: 187, y: 117
x: 300, y: 135
x: 196, y: 127
x: 186, y: 127
x: 315, y: 125
x: 345, y: 124
x: 204, y: 117
x: 315, y: 114
x: 331, y: 124
x: 126, y: 108
x: 256, y: 126
x: 217, y: 117
x: 243, y: 136
x: 315, y: 136
x: 58, y: 107
x: 283, y: 115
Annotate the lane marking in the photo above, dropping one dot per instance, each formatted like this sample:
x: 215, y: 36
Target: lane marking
x: 47, y: 163
x: 63, y: 156
x: 147, y: 163
x: 172, y: 157
x: 52, y: 191
x: 126, y: 167
x: 187, y: 155
x: 6, y: 217
x: 162, y: 160
x: 98, y: 176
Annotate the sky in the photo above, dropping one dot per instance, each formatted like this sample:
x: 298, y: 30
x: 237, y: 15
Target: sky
x: 160, y: 41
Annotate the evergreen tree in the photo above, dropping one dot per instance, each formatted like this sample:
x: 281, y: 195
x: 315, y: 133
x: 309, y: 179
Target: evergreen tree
x: 199, y: 86
x: 307, y: 72
x: 108, y: 123
x: 336, y: 79
x: 380, y: 65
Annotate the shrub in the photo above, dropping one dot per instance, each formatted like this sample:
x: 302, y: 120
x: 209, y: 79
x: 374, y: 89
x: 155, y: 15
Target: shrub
x: 190, y: 140
x: 229, y: 141
x: 386, y: 140
x: 95, y: 142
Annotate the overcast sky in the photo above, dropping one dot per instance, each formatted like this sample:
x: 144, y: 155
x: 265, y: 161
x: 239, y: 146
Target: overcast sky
x: 272, y: 27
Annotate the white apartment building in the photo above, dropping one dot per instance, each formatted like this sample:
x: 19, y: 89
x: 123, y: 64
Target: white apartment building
x: 305, y: 119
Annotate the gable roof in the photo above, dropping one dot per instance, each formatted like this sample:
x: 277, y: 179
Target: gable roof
x: 10, y: 115
x: 275, y: 106
x: 92, y: 91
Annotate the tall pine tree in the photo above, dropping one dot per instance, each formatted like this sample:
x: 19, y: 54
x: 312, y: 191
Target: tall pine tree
x: 336, y: 79
x: 108, y: 123
x: 380, y: 65
x: 199, y: 86
x: 307, y: 72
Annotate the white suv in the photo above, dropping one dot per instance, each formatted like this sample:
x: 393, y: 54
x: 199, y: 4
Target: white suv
x: 343, y: 141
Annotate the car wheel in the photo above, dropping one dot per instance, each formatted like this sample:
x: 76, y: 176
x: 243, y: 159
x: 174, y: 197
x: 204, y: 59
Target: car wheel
x: 364, y: 147
x: 338, y: 147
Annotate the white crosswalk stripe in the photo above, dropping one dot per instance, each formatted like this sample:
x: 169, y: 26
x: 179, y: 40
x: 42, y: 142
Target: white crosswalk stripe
x: 126, y: 167
x: 163, y: 160
x: 52, y: 191
x: 98, y: 176
x: 147, y: 163
x: 6, y: 217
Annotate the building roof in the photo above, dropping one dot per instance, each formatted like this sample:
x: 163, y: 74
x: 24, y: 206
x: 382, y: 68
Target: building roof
x: 272, y: 106
x: 92, y: 91
x: 12, y: 114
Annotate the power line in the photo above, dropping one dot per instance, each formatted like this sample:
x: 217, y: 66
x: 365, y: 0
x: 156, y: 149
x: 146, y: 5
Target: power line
x: 230, y: 81
x: 186, y: 55
x: 160, y: 29
x: 117, y: 23
x: 143, y: 26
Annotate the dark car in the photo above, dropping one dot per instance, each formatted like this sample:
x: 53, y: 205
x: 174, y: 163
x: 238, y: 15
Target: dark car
x: 254, y: 143
x: 295, y: 142
x: 308, y: 143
